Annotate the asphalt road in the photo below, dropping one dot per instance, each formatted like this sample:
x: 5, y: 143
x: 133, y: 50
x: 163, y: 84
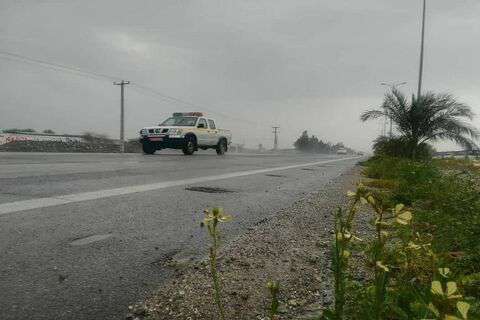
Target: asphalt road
x: 82, y: 236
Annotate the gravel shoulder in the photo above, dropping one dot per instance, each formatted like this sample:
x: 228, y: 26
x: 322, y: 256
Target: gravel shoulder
x: 291, y: 246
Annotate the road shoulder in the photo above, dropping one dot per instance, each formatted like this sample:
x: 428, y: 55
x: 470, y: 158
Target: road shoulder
x: 292, y: 246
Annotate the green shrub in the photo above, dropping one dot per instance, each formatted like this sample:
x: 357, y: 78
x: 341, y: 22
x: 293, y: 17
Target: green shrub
x: 401, y: 147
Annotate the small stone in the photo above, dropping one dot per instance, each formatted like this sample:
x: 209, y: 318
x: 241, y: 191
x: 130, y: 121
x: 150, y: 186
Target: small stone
x: 244, y: 295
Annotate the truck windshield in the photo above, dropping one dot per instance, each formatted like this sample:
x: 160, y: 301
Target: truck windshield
x: 180, y: 121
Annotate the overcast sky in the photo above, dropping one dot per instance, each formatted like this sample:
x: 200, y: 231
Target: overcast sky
x: 299, y: 64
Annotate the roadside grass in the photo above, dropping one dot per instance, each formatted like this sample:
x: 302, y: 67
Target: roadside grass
x: 445, y: 196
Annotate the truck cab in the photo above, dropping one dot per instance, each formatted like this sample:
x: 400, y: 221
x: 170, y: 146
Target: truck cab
x: 188, y: 131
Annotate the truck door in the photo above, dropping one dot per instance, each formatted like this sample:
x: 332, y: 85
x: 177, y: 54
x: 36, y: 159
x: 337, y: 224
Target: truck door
x: 213, y: 132
x: 202, y: 132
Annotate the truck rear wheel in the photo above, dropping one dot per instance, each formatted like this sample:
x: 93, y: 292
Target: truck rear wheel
x: 190, y: 145
x: 221, y: 147
x: 148, y: 148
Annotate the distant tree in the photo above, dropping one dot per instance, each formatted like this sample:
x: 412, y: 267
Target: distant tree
x: 302, y: 143
x: 48, y: 131
x: 16, y: 130
x: 305, y: 143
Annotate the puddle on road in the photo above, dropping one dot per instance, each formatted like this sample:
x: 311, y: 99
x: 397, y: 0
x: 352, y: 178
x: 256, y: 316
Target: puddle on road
x: 209, y: 189
x: 90, y: 239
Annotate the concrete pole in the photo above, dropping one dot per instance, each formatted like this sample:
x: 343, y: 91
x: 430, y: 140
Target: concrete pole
x: 275, y: 138
x: 122, y: 113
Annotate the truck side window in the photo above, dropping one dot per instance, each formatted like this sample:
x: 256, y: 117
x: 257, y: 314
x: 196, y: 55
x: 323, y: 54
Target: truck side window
x: 202, y: 121
x: 211, y: 123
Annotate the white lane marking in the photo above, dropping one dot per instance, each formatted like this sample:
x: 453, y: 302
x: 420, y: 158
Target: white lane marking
x: 17, y: 206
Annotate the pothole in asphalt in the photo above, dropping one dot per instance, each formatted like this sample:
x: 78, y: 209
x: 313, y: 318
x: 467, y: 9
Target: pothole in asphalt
x: 165, y: 259
x: 276, y: 175
x: 209, y: 189
x: 176, y: 259
x: 90, y: 239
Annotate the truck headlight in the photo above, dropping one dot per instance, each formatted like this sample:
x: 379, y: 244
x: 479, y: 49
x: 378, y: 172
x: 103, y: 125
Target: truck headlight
x: 175, y: 132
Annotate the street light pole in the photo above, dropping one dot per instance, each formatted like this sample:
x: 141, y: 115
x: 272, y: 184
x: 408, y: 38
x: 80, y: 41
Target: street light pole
x: 420, y: 72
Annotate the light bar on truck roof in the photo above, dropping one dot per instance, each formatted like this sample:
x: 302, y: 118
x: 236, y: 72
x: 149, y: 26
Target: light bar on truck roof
x: 188, y: 114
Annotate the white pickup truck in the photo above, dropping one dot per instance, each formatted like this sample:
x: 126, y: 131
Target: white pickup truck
x: 188, y: 131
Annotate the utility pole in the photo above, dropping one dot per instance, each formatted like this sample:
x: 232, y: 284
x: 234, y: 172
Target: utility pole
x: 393, y: 86
x: 275, y: 139
x: 122, y: 113
x: 420, y: 72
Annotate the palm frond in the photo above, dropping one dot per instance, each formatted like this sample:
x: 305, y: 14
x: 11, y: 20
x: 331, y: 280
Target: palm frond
x: 371, y: 114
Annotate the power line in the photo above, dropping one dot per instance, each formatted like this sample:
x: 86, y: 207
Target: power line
x: 58, y: 67
x: 96, y: 75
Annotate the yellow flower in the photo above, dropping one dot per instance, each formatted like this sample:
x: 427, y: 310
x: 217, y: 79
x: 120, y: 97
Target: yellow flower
x: 351, y: 194
x: 404, y: 217
x: 217, y: 214
x: 436, y: 288
x: 371, y: 200
x: 382, y: 266
x: 463, y: 308
x: 451, y: 290
x: 399, y: 208
x: 450, y: 293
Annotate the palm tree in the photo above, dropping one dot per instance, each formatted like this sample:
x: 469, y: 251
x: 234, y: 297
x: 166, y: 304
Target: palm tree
x: 430, y: 117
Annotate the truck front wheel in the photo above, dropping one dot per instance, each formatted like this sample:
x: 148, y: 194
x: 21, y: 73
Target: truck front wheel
x: 148, y: 147
x: 190, y: 145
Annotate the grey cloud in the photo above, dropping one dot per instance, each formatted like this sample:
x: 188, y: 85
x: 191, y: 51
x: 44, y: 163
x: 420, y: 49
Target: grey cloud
x: 298, y: 64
